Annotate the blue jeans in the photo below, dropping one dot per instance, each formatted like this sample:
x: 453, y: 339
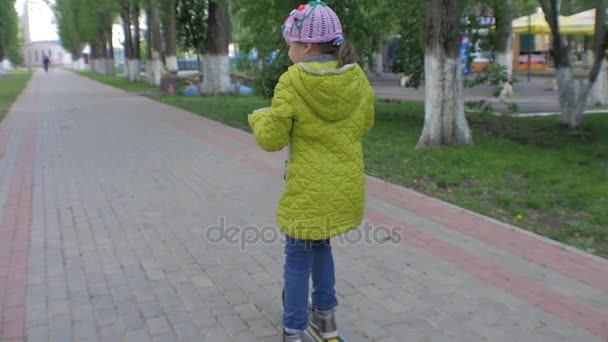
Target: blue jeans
x: 301, y: 259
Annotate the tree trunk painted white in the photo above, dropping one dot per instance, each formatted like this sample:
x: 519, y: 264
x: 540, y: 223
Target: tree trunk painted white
x: 94, y: 67
x: 572, y: 102
x: 598, y: 94
x: 149, y: 75
x: 126, y: 70
x: 134, y: 72
x: 216, y: 75
x: 133, y: 66
x: 462, y: 132
x: 567, y: 94
x: 7, y: 65
x: 201, y: 69
x: 216, y: 68
x: 171, y: 63
x: 506, y: 59
x: 379, y: 62
x: 103, y: 66
x: 155, y: 45
x: 110, y: 68
x: 504, y: 42
x: 444, y: 122
x: 80, y: 65
x: 581, y: 104
x: 155, y: 69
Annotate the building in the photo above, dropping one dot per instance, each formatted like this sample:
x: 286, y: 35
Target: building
x: 40, y: 36
x: 34, y: 52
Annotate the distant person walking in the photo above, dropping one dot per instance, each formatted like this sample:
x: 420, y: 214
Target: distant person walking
x: 46, y: 61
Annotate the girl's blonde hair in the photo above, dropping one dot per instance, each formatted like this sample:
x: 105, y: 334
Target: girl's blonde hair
x: 345, y: 53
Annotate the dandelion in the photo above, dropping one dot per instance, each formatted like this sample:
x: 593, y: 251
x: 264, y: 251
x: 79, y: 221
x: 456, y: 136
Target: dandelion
x: 519, y: 217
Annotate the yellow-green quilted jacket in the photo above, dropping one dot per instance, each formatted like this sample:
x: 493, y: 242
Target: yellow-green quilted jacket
x: 322, y: 112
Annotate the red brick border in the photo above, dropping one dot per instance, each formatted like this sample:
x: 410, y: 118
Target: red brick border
x: 15, y: 241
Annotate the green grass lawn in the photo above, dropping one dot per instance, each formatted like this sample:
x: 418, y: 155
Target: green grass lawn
x: 527, y: 172
x: 11, y: 86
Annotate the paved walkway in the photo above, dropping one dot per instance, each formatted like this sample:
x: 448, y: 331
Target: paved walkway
x: 107, y: 198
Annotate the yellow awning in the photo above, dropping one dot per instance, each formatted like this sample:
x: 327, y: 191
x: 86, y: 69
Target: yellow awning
x: 580, y: 24
x: 534, y: 24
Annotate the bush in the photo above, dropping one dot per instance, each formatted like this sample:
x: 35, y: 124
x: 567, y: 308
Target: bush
x: 243, y: 63
x: 268, y: 77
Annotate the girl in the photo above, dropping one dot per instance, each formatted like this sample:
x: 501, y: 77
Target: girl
x: 322, y: 107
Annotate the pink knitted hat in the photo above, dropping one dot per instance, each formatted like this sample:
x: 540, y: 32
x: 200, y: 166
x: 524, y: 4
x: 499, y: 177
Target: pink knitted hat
x: 314, y: 22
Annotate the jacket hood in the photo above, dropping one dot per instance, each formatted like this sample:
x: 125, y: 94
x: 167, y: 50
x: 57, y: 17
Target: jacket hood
x: 331, y: 92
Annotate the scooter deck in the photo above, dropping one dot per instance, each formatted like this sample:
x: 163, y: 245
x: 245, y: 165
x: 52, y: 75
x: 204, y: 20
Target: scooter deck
x: 312, y: 335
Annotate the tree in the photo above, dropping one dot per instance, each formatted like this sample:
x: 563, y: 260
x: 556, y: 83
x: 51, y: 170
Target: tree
x: 88, y: 21
x: 66, y: 13
x: 8, y: 30
x: 109, y: 45
x: 598, y: 94
x: 15, y: 50
x: 125, y: 17
x: 99, y: 26
x: 216, y: 67
x: 496, y: 43
x: 503, y: 12
x: 444, y: 121
x: 154, y: 44
x: 134, y: 65
x: 169, y: 34
x: 572, y: 100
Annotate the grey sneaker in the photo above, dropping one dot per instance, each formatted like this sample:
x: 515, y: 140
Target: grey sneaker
x: 292, y: 338
x: 325, y: 323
